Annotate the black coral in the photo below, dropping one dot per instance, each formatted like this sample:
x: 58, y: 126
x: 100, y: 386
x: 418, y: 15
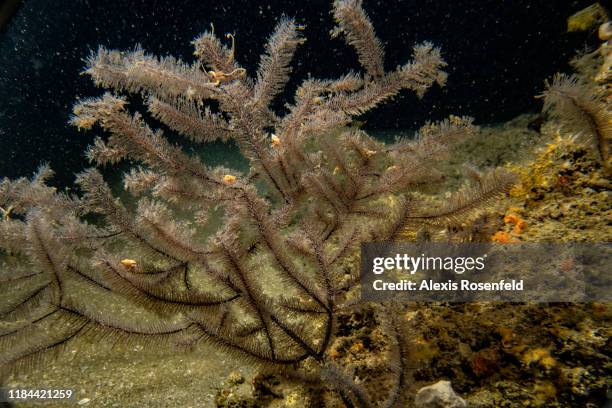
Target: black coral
x: 356, y: 26
x: 577, y: 107
x: 313, y: 193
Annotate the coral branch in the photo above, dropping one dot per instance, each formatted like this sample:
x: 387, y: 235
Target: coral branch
x: 190, y: 254
x: 354, y: 23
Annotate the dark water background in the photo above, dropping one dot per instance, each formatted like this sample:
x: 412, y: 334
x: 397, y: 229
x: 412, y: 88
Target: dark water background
x: 499, y: 52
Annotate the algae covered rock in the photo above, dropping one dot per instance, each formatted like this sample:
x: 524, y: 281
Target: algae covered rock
x: 438, y: 395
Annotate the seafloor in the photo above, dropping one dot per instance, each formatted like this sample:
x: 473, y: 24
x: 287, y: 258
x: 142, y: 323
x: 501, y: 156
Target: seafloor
x: 495, y: 354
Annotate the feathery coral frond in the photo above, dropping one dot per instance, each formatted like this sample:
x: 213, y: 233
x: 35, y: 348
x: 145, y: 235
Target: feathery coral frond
x: 184, y: 116
x: 192, y: 259
x: 573, y: 103
x: 356, y: 26
x: 274, y: 68
x: 213, y: 54
x: 418, y: 75
x: 138, y: 72
x: 465, y: 204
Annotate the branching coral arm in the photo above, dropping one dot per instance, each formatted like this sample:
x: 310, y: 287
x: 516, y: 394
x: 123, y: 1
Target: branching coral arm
x: 356, y: 26
x: 137, y: 72
x: 275, y: 67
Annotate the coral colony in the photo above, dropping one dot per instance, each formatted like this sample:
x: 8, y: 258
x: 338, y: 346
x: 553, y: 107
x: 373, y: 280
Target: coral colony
x: 194, y: 260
